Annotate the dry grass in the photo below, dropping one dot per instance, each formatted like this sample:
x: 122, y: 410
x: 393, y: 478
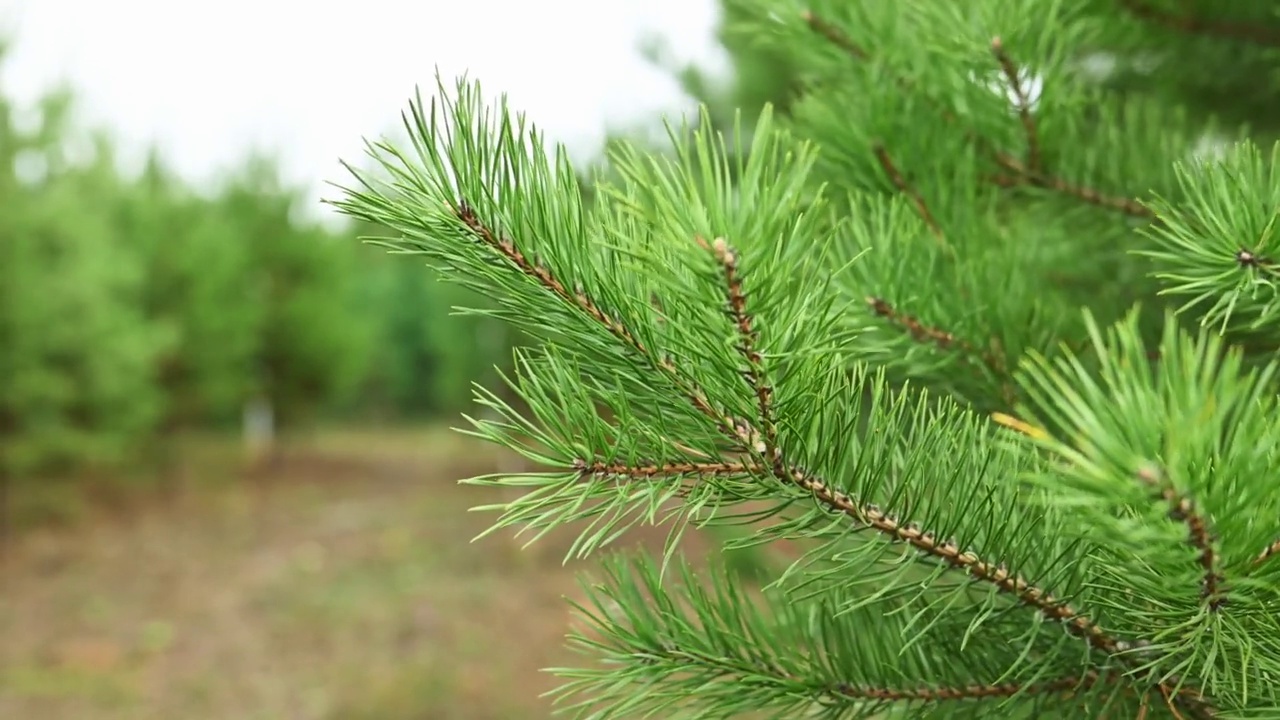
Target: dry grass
x: 340, y: 583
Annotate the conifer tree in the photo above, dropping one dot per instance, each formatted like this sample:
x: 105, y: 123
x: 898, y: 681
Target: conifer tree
x: 989, y: 336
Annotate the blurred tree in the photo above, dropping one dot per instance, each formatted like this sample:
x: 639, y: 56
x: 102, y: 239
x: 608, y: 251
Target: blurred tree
x: 199, y: 266
x: 77, y: 356
x: 424, y: 361
x: 134, y: 308
x: 131, y: 305
x: 312, y: 348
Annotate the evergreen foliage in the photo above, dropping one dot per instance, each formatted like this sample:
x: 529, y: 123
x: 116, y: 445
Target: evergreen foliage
x: 989, y: 337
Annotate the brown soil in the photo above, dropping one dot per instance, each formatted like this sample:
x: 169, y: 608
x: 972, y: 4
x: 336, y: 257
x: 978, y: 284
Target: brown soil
x: 340, y: 582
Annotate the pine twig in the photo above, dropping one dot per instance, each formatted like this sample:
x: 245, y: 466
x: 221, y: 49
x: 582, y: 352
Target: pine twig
x: 833, y: 34
x: 936, y: 336
x: 1248, y: 32
x: 900, y: 182
x: 687, y: 473
x: 1011, y: 74
x: 748, y: 347
x: 1084, y: 193
x: 1199, y: 536
x: 666, y: 469
x: 918, y: 330
x: 579, y: 299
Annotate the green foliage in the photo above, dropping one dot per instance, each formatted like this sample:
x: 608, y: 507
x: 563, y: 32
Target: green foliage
x: 311, y: 348
x: 827, y: 329
x: 1213, y: 248
x: 76, y: 355
x: 425, y: 361
x: 135, y: 308
x: 1214, y: 59
x: 198, y: 290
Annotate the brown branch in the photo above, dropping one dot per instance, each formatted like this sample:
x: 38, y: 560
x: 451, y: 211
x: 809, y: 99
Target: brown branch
x: 941, y: 338
x: 749, y: 341
x: 900, y: 182
x: 918, y: 330
x: 1199, y: 536
x: 950, y: 553
x: 1087, y: 194
x: 836, y: 37
x: 668, y: 469
x: 544, y: 277
x: 1010, y: 71
x: 1248, y: 32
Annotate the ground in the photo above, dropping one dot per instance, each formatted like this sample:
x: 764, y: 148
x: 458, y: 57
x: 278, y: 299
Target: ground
x: 340, y: 583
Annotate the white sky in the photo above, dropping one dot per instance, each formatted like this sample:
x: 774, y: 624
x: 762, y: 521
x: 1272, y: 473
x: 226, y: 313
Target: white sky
x: 307, y: 79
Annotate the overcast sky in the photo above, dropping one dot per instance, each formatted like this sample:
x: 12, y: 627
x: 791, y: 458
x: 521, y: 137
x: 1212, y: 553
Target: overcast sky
x: 307, y: 79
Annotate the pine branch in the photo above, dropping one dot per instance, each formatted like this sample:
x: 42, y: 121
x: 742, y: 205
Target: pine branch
x: 1182, y: 509
x: 708, y: 644
x: 760, y: 437
x: 671, y: 470
x: 942, y: 339
x: 1010, y: 71
x: 1191, y: 25
x: 950, y: 553
x: 946, y: 551
x: 544, y: 277
x: 1020, y: 171
x: 922, y: 540
x: 835, y: 36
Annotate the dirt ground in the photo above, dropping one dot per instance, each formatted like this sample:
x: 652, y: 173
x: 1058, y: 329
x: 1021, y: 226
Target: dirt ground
x: 341, y: 583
